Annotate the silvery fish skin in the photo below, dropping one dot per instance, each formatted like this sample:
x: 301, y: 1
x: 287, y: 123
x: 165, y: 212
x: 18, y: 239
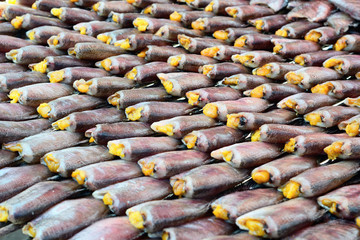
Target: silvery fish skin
x: 276, y: 5
x: 317, y: 181
x: 218, y: 7
x: 316, y: 58
x: 253, y: 121
x: 7, y: 158
x: 212, y: 24
x: 342, y: 202
x: 157, y: 215
x: 8, y: 43
x: 273, y: 92
x: 32, y: 148
x: 190, y: 62
x: 201, y: 228
x: 132, y: 192
x: 110, y: 228
x: 9, y: 81
x: 340, y: 21
x: 16, y: 179
x: 219, y: 71
x: 282, y: 219
x: 172, y: 33
x: 231, y: 34
x: 340, y: 89
x: 207, y: 180
x: 244, y: 81
x: 104, y: 8
x: 36, y: 199
x: 124, y: 20
x: 35, y: 94
x: 344, y: 64
x: 178, y: 83
x: 330, y: 116
x: 136, y: 42
x: 282, y: 169
x: 161, y: 53
x: 317, y: 11
x: 350, y: 7
x: 6, y: 67
x: 47, y: 5
x: 238, y: 203
x: 16, y: 130
x: 73, y: 16
x: 200, y: 97
x: 31, y: 54
x: 206, y: 140
x: 281, y: 133
x: 254, y: 59
x: 53, y: 63
x: 112, y: 36
x: 65, y: 161
x: 63, y: 106
x: 331, y: 230
x: 269, y: 23
x: 12, y: 11
x: 103, y: 174
x: 120, y: 64
x: 182, y: 125
x: 349, y: 149
x: 145, y: 3
x: 276, y: 70
x: 112, y: 131
x: 240, y: 236
x: 82, y: 121
x: 154, y: 24
x: 187, y: 17
x: 65, y: 219
x: 164, y: 10
x: 133, y: 149
x: 67, y: 39
x: 16, y: 112
x: 94, y: 51
x: 198, y: 3
x: 197, y: 44
x: 247, y: 12
x: 155, y: 111
x: 29, y: 21
x: 303, y: 103
x: 312, y: 144
x: 349, y: 42
x: 168, y: 164
x: 247, y: 154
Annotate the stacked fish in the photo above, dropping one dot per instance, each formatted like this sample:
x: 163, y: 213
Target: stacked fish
x: 196, y: 119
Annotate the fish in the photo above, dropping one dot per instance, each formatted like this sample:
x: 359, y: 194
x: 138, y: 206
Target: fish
x: 190, y: 62
x: 8, y: 43
x: 74, y: 16
x: 187, y: 17
x: 16, y: 112
x: 340, y: 21
x: 243, y: 81
x: 269, y: 23
x: 340, y: 89
x: 255, y: 41
x: 290, y: 49
x: 297, y: 29
x: 322, y: 35
x: 47, y: 5
x: 218, y: 7
x: 273, y: 92
x: 200, y: 97
x: 254, y: 59
x: 148, y: 72
x: 160, y: 53
x: 137, y: 42
x: 69, y: 75
x: 172, y: 33
x: 222, y: 52
x: 246, y: 12
x: 152, y: 25
x: 120, y: 64
x: 231, y: 34
x: 29, y: 21
x: 316, y: 58
x: 7, y: 158
x: 276, y: 5
x: 94, y: 51
x: 110, y: 37
x: 66, y: 40
x: 31, y: 54
x: 344, y: 64
x: 164, y: 10
x: 275, y: 70
x: 350, y: 7
x: 197, y: 44
x: 103, y: 9
x: 317, y: 11
x: 9, y: 81
x: 212, y: 24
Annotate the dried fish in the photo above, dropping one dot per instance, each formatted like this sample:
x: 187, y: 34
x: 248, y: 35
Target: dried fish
x: 73, y: 16
x: 148, y: 72
x: 9, y: 81
x: 120, y: 64
x: 212, y: 24
x: 221, y: 70
x: 322, y: 35
x: 316, y: 11
x: 16, y: 112
x: 344, y: 64
x: 231, y: 34
x: 269, y: 23
x: 349, y: 42
x: 254, y: 59
x: 104, y: 8
x: 339, y: 89
x: 200, y: 97
x: 246, y: 12
x: 276, y: 70
x: 31, y: 54
x: 40, y: 35
x: 30, y: 21
x: 66, y: 40
x: 244, y: 81
x: 316, y: 58
x: 171, y: 32
x: 187, y: 17
x: 94, y: 51
x: 296, y: 29
x: 164, y: 10
x: 152, y: 25
x: 69, y: 75
x: 273, y: 91
x: 160, y: 53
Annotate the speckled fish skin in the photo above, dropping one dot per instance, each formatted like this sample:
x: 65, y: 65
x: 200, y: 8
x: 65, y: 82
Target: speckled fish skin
x: 161, y: 53
x: 225, y: 52
x: 246, y: 12
x: 169, y: 213
x: 103, y: 9
x: 270, y: 23
x: 197, y: 44
x: 168, y: 164
x: 59, y: 62
x: 70, y: 74
x: 182, y: 82
x: 275, y: 92
x: 317, y: 11
x: 239, y: 203
x: 282, y: 169
x: 281, y: 133
x: 258, y: 58
x: 94, y: 51
x: 333, y: 115
x: 253, y: 121
x: 293, y: 48
x: 133, y: 192
x: 218, y: 7
x: 103, y: 174
x: 140, y: 41
x: 276, y: 5
x: 298, y: 29
x: 198, y: 3
x: 147, y: 72
x: 110, y: 228
x: 350, y: 64
x: 123, y: 63
x: 343, y: 88
x: 317, y: 58
x: 9, y: 81
x: 350, y: 7
x: 16, y: 130
x: 30, y: 21
x: 154, y: 24
x: 240, y: 236
x: 164, y: 10
x: 201, y: 228
x: 244, y: 81
x: 37, y: 199
x: 16, y: 112
x: 73, y: 16
x: 191, y: 62
x: 124, y: 20
x: 66, y: 218
x: 213, y: 138
x: 82, y: 121
x: 248, y: 154
x: 171, y: 32
x: 72, y: 158
x: 213, y: 94
x: 7, y: 158
x: 222, y: 70
x: 41, y: 34
x: 328, y: 35
x: 314, y: 143
x: 6, y: 67
x: 63, y: 106
x: 340, y: 22
x: 212, y: 24
x: 16, y: 179
x: 35, y: 146
x: 346, y: 199
x: 312, y: 76
x: 11, y: 11
x: 233, y: 33
x: 284, y: 218
x: 8, y: 43
x: 183, y: 125
x: 189, y: 16
x: 111, y: 37
x: 258, y: 41
x: 245, y: 104
x: 31, y: 54
x: 85, y: 3
x: 307, y: 102
x: 66, y: 40
x: 317, y: 181
x: 331, y: 230
x: 352, y: 42
x: 47, y: 5
x: 279, y: 69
